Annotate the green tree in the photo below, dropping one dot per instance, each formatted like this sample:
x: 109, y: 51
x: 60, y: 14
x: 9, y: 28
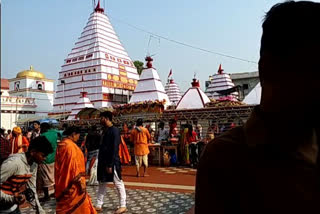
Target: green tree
x: 139, y: 65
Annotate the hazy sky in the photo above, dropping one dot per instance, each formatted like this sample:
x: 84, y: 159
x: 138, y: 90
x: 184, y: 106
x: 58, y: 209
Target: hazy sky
x: 42, y: 32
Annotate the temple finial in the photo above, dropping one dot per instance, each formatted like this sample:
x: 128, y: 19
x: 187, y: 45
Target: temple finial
x: 98, y: 9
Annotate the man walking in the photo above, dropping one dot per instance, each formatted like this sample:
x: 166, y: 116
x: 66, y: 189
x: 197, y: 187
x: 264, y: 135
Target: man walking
x: 140, y: 136
x: 36, y: 130
x: 109, y: 165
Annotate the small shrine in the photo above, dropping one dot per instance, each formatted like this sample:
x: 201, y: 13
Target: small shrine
x: 172, y: 90
x: 221, y: 86
x: 194, y: 98
x: 149, y: 87
x: 83, y: 102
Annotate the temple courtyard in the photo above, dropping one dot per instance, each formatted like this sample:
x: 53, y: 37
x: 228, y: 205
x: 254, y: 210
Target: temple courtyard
x: 166, y: 190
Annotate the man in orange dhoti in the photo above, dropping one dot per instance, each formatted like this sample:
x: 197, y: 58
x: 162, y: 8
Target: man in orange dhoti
x: 71, y: 194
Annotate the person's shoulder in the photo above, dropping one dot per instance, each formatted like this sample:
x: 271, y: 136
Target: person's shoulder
x: 14, y: 160
x: 115, y: 129
x: 144, y: 129
x: 228, y: 149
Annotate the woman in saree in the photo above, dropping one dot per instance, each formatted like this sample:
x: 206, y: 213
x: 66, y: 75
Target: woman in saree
x: 71, y: 194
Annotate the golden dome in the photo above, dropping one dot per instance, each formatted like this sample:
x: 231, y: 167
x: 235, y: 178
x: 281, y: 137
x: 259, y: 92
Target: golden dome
x: 31, y: 73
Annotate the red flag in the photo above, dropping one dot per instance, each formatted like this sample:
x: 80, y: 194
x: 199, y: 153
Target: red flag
x: 170, y: 73
x: 220, y: 70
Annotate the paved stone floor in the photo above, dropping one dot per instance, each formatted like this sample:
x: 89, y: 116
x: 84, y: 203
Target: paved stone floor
x: 138, y: 201
x: 168, y: 190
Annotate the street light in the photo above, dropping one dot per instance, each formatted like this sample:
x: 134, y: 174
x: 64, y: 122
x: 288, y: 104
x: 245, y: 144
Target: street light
x: 63, y: 82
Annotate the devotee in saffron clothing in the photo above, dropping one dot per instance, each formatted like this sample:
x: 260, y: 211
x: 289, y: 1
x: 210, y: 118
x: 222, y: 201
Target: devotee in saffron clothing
x: 124, y: 154
x: 18, y: 142
x: 71, y: 194
x: 140, y: 136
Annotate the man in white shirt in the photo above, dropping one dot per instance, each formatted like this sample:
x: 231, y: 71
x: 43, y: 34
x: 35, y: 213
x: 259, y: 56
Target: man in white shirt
x: 18, y: 177
x: 163, y: 133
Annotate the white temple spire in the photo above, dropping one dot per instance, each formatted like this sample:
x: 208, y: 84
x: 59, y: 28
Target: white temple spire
x: 97, y: 64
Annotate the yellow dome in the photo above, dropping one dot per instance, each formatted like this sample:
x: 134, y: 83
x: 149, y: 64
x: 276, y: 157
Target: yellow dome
x: 31, y: 73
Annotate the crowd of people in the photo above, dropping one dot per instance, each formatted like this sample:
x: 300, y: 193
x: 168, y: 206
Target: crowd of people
x: 59, y: 160
x: 42, y: 159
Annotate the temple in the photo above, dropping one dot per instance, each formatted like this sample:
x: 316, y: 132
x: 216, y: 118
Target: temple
x: 149, y: 86
x: 220, y: 86
x: 172, y: 90
x: 194, y: 98
x: 98, y: 63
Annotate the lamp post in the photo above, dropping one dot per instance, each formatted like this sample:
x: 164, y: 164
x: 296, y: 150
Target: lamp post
x: 64, y: 99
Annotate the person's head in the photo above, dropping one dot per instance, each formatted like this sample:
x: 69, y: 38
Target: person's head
x: 2, y: 131
x: 210, y: 136
x: 289, y: 59
x: 16, y: 131
x: 44, y: 127
x: 9, y: 131
x: 106, y: 118
x: 73, y: 133
x: 125, y: 127
x: 39, y: 149
x: 161, y: 125
x: 64, y: 126
x: 36, y: 125
x: 152, y: 133
x: 139, y: 122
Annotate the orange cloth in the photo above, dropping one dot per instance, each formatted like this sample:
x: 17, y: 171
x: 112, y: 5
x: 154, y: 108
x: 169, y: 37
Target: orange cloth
x: 124, y: 154
x: 140, y: 140
x: 69, y: 164
x: 19, y: 144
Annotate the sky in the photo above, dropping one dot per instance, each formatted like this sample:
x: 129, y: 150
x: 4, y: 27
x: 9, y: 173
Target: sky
x: 42, y: 33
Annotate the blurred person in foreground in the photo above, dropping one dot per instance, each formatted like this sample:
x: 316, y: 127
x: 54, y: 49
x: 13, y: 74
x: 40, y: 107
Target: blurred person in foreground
x: 45, y: 176
x: 270, y: 165
x: 18, y: 177
x: 109, y: 165
x: 71, y: 194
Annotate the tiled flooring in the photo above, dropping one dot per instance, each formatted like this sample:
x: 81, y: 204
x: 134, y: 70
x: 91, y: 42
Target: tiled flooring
x: 138, y: 201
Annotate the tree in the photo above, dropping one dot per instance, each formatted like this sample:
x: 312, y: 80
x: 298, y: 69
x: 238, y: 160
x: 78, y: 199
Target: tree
x: 139, y: 65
